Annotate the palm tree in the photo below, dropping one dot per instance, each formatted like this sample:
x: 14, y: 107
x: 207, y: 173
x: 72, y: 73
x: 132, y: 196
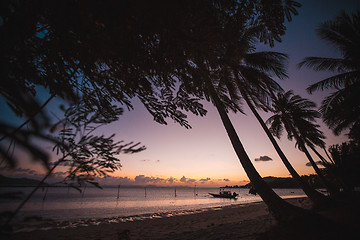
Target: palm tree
x: 280, y: 209
x: 297, y: 116
x: 254, y: 84
x: 317, y: 198
x: 340, y: 110
x: 216, y: 83
x: 249, y: 77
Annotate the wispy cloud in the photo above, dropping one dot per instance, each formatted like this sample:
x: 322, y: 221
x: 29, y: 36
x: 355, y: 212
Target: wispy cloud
x: 263, y: 158
x: 205, y: 179
x: 138, y: 180
x: 149, y: 160
x: 317, y: 163
x: 187, y: 180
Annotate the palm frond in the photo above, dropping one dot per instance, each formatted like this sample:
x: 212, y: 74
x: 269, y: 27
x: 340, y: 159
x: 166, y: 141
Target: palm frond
x: 337, y: 81
x: 325, y: 64
x: 343, y: 33
x: 273, y: 63
x: 341, y: 109
x: 290, y: 8
x: 298, y: 117
x: 276, y: 125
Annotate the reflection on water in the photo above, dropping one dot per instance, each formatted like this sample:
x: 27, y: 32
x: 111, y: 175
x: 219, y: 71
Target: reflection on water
x: 62, y: 204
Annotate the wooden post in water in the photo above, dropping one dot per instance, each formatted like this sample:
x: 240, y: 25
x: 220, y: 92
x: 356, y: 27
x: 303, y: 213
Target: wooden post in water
x: 84, y: 191
x: 145, y: 191
x: 44, y: 197
x: 195, y: 194
x: 175, y: 192
x: 118, y: 195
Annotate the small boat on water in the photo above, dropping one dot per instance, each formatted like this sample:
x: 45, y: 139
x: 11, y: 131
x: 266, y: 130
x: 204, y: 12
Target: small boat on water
x: 224, y: 194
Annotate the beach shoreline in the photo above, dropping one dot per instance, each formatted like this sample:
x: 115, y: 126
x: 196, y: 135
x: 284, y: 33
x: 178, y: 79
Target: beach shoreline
x: 245, y: 221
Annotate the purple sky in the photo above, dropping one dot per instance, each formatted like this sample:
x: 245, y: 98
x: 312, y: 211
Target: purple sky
x: 204, y: 153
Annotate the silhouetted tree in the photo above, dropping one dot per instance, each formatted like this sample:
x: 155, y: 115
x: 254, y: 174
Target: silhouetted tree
x: 297, y: 116
x: 102, y: 52
x: 280, y: 209
x: 113, y: 51
x: 215, y: 80
x: 346, y: 164
x: 340, y: 110
x: 83, y: 154
x: 250, y: 78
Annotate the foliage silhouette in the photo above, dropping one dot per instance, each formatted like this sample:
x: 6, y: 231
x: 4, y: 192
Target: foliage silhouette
x: 251, y: 79
x: 83, y: 154
x: 340, y: 110
x: 162, y: 52
x: 315, y: 196
x: 346, y: 164
x: 297, y: 116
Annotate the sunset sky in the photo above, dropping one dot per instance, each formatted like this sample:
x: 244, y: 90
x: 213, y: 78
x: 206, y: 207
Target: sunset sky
x: 203, y: 155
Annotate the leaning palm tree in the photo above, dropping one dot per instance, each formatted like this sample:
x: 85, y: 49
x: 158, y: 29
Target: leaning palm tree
x: 340, y: 110
x: 254, y: 84
x: 249, y: 77
x: 280, y: 209
x: 297, y: 116
x: 212, y: 82
x: 317, y: 198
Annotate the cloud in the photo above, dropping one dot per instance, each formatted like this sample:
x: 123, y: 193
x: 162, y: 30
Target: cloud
x: 114, y: 181
x: 263, y: 158
x: 190, y: 180
x: 145, y: 160
x: 142, y: 179
x: 183, y: 179
x: 187, y: 180
x: 3, y: 168
x: 171, y: 180
x: 317, y: 163
x: 60, y: 174
x: 226, y: 179
x: 23, y: 170
x: 148, y: 160
x: 32, y: 172
x: 20, y: 173
x: 205, y: 179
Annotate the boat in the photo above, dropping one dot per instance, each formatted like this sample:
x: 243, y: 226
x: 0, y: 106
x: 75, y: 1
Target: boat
x: 224, y: 194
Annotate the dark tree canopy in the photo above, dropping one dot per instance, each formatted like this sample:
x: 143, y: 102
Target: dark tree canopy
x: 340, y: 110
x: 101, y: 52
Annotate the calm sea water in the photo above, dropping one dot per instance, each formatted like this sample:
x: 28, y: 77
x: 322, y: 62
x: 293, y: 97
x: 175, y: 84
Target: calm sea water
x: 66, y: 204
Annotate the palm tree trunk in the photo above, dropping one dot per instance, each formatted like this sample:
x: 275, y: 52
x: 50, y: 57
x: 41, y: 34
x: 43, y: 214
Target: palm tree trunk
x: 301, y: 143
x: 281, y: 210
x: 319, y: 155
x: 318, y: 198
x: 327, y: 154
x: 332, y: 190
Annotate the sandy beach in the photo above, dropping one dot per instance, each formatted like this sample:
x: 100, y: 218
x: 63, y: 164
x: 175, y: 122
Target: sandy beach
x: 248, y: 221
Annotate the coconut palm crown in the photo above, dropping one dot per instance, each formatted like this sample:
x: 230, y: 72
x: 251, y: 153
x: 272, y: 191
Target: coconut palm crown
x: 297, y: 115
x: 340, y: 110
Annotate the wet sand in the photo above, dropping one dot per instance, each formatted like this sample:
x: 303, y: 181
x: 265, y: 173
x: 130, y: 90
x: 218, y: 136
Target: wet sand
x: 247, y: 221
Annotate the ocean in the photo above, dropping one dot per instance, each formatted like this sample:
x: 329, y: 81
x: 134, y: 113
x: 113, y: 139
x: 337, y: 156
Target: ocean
x: 125, y: 203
